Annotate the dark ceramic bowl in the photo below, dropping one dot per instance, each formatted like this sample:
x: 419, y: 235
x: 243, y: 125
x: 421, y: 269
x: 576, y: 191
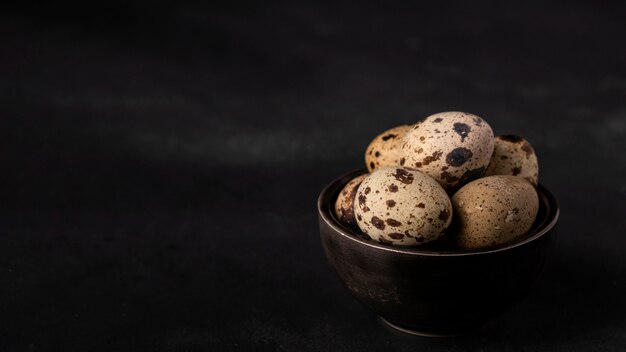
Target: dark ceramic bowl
x: 430, y: 291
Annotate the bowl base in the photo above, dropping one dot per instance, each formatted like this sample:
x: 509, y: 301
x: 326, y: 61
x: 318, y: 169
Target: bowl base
x: 425, y: 333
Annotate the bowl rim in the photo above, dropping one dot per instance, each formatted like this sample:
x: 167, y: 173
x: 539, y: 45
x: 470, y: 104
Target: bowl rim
x: 325, y: 212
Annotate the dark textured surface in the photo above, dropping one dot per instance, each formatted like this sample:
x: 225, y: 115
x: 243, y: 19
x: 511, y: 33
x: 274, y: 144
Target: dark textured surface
x: 161, y: 162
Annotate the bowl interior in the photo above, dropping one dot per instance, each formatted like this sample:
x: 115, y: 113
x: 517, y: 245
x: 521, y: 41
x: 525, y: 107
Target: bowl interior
x: 547, y: 217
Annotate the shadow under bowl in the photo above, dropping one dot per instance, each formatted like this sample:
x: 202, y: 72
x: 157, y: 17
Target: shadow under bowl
x: 435, y: 292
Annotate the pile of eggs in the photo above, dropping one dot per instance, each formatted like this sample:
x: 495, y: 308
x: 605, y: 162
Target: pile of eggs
x: 445, y: 179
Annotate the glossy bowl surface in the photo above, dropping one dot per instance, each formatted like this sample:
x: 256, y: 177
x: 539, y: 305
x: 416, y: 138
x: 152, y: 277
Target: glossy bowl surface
x: 433, y: 291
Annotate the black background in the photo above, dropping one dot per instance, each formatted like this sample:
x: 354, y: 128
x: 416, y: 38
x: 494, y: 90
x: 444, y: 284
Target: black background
x: 161, y: 163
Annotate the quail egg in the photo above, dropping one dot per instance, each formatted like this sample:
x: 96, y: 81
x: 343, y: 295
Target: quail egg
x: 384, y: 150
x: 344, y: 206
x: 493, y: 210
x: 513, y: 155
x: 452, y: 147
x: 402, y: 207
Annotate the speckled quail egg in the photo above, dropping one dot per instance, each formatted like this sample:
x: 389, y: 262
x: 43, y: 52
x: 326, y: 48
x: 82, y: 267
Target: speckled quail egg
x: 493, y: 210
x: 344, y: 206
x: 452, y: 147
x: 402, y: 207
x: 384, y: 150
x: 513, y: 155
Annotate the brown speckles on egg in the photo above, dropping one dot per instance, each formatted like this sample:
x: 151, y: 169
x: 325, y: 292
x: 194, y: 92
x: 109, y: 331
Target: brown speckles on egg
x: 393, y: 222
x: 528, y: 149
x: 458, y: 156
x: 469, y: 152
x: 444, y: 215
x: 513, y: 155
x: 344, y: 205
x: 396, y: 235
x: 416, y: 197
x: 448, y: 177
x: 367, y: 190
x: 378, y: 223
x: 494, y: 209
x: 384, y: 150
x: 462, y: 129
x: 434, y: 157
x: 403, y: 176
x: 362, y: 203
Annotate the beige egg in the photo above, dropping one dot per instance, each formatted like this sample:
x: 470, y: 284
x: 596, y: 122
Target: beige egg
x: 384, y: 150
x: 402, y: 207
x: 344, y: 206
x: 452, y: 147
x: 493, y: 210
x: 513, y: 155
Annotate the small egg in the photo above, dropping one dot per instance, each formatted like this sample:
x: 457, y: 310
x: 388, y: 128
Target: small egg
x: 384, y: 150
x: 513, y: 155
x: 452, y: 147
x: 493, y: 210
x: 344, y: 206
x: 402, y: 207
